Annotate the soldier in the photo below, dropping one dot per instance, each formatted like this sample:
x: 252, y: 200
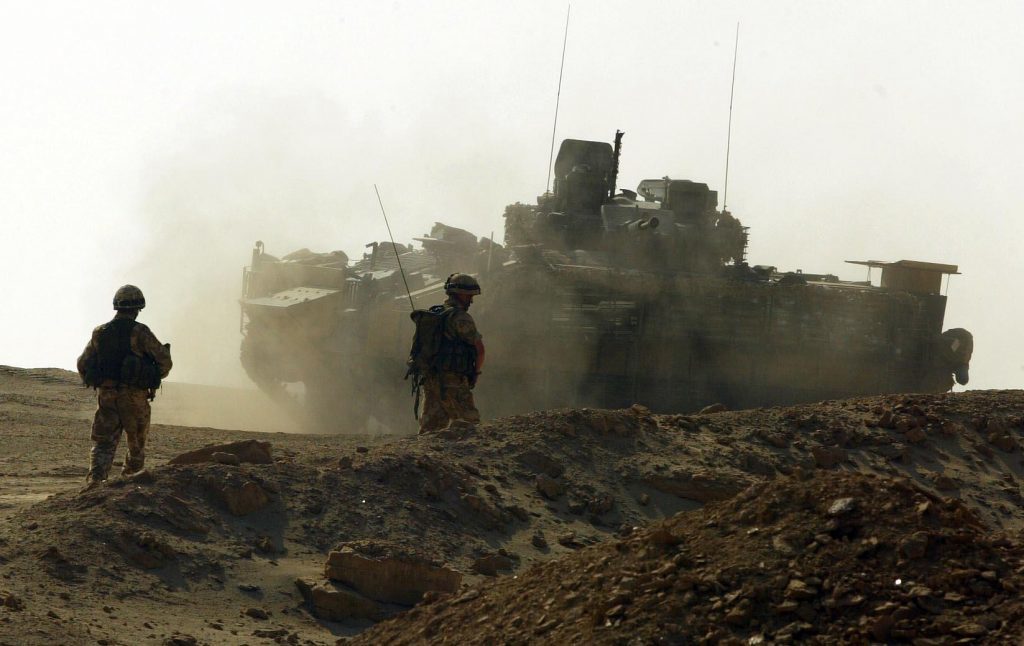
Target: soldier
x: 447, y: 390
x: 124, y: 362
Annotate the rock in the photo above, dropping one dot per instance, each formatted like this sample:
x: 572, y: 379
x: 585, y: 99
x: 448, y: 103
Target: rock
x: 640, y: 410
x: 914, y: 546
x: 713, y: 408
x: 541, y: 462
x: 739, y: 615
x: 240, y: 499
x: 662, y: 536
x: 915, y: 435
x: 386, y: 574
x: 644, y: 499
x: 827, y: 457
x: 787, y: 607
x: 433, y: 597
x: 885, y: 420
x: 970, y: 629
x: 179, y: 639
x: 251, y: 451
x: 538, y: 540
x: 489, y: 515
x: 782, y: 546
x: 600, y: 504
x: 797, y: 590
x: 335, y: 603
x: 11, y: 601
x: 549, y: 487
x: 225, y: 458
x: 145, y: 549
x: 1002, y: 440
x: 270, y: 633
x: 266, y: 544
x: 257, y: 613
x: 700, y: 485
x: 881, y: 627
x: 467, y: 596
x: 568, y: 539
x: 778, y: 440
x: 519, y: 512
x: 842, y: 506
x: 490, y: 564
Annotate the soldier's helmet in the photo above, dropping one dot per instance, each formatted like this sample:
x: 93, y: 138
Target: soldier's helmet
x: 461, y: 284
x: 129, y: 297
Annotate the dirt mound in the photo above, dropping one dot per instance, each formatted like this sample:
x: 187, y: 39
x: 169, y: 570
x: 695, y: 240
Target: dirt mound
x: 232, y: 546
x: 831, y: 558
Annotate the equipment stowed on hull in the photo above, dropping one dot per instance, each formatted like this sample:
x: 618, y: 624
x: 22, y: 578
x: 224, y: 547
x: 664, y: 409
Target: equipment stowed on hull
x: 600, y: 297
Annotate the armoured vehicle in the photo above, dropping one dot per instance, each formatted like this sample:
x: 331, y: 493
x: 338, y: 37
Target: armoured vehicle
x: 598, y: 297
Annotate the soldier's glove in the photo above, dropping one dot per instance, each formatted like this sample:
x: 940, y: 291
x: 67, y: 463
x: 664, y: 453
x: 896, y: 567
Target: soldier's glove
x: 472, y: 380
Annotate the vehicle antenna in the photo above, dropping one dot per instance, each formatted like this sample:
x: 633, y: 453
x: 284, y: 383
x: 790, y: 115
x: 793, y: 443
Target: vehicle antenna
x: 394, y: 246
x: 490, y: 252
x: 728, y: 138
x: 558, y: 97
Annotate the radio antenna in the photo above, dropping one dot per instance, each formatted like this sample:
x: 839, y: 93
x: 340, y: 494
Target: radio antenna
x: 394, y: 246
x: 558, y: 97
x: 728, y: 138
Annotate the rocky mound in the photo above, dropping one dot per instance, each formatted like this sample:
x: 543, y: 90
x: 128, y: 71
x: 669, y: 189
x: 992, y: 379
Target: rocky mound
x: 827, y: 558
x: 318, y: 536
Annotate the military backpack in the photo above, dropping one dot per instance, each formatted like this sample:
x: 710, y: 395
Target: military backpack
x: 428, y: 341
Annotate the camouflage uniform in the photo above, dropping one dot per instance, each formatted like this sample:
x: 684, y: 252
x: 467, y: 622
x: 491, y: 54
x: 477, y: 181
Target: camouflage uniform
x: 447, y: 395
x: 122, y: 407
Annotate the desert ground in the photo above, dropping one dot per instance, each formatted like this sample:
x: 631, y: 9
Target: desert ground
x: 890, y: 519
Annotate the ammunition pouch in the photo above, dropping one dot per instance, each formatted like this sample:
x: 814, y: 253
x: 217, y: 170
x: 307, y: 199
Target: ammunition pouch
x: 456, y: 356
x: 91, y: 377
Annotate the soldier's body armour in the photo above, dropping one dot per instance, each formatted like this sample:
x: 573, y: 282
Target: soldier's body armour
x: 455, y: 355
x: 115, y: 344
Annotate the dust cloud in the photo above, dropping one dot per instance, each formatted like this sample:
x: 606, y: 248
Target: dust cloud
x: 293, y: 172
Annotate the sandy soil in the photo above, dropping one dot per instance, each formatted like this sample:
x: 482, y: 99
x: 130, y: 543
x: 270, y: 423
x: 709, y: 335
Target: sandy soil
x: 170, y: 557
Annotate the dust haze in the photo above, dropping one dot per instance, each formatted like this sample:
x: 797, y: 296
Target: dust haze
x: 292, y: 172
x: 859, y: 132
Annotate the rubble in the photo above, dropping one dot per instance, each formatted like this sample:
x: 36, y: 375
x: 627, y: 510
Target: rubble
x: 247, y: 451
x: 240, y: 497
x: 768, y: 550
x: 336, y: 603
x: 877, y: 571
x: 384, y: 572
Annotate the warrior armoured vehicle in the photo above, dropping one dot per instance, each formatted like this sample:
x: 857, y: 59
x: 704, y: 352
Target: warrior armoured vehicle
x: 598, y: 297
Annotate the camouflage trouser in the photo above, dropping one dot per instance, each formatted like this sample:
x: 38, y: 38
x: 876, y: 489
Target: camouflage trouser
x: 446, y: 397
x: 120, y: 409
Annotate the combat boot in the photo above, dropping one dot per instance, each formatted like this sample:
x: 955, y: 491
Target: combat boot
x: 92, y: 480
x: 131, y: 466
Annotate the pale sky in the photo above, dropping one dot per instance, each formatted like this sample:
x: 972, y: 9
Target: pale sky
x: 154, y: 142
